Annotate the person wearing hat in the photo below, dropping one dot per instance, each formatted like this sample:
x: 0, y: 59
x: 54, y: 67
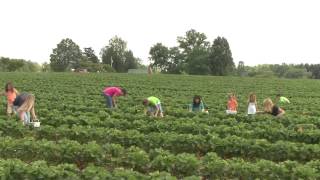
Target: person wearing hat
x: 153, y: 107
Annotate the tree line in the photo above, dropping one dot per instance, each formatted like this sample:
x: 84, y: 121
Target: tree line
x: 18, y: 65
x: 115, y: 56
x: 194, y: 54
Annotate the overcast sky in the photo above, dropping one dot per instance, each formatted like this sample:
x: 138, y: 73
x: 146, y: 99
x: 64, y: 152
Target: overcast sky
x: 258, y: 31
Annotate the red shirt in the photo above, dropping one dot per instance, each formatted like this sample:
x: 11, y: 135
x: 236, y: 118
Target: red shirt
x: 232, y: 105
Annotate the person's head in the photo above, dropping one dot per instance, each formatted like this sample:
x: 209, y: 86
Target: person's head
x: 28, y: 103
x: 9, y: 87
x: 231, y: 96
x: 124, y: 91
x: 252, y: 98
x: 145, y: 102
x: 196, y: 99
x: 268, y: 104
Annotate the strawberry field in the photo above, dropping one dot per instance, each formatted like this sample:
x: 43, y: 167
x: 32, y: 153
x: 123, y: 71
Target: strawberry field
x: 80, y: 139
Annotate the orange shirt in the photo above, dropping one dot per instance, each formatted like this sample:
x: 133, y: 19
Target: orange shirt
x: 232, y: 105
x: 11, y: 96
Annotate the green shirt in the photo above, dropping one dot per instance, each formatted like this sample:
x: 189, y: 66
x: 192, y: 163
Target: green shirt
x: 153, y: 100
x: 284, y: 100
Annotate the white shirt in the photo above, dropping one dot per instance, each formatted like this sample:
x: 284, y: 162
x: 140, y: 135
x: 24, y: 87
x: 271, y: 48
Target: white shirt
x: 252, y: 108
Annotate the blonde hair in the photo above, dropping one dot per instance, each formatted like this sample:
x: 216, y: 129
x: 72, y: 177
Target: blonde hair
x: 28, y: 104
x: 252, y: 98
x: 268, y: 104
x: 231, y: 96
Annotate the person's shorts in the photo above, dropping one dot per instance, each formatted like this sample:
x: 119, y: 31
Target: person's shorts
x: 154, y: 109
x: 108, y: 101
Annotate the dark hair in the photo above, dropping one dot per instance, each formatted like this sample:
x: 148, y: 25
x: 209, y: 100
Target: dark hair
x: 278, y: 95
x: 145, y: 102
x: 124, y: 91
x: 7, y: 87
x: 195, y: 98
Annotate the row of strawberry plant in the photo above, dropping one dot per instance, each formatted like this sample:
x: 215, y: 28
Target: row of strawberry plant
x: 231, y: 146
x: 180, y: 165
x: 13, y: 169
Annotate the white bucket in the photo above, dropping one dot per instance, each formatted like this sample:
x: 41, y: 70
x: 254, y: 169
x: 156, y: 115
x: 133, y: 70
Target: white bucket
x: 36, y: 124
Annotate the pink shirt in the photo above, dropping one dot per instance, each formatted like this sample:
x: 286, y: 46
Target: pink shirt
x: 112, y: 91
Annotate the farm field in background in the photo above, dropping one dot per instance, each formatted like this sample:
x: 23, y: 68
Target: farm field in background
x: 80, y: 138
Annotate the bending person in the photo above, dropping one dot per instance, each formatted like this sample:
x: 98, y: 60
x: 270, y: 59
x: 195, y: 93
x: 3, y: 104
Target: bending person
x: 24, y: 106
x: 110, y: 93
x: 153, y: 107
x: 272, y: 109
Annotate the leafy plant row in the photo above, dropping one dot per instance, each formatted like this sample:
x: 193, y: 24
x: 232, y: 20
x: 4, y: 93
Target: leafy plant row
x: 230, y: 146
x: 113, y: 156
x: 13, y: 169
x: 307, y: 133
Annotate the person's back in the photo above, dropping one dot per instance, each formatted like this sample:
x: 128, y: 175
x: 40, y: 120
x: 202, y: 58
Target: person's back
x: 112, y: 91
x: 20, y: 99
x: 153, y: 100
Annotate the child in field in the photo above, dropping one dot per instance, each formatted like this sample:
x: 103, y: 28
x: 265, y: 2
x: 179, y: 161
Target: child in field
x: 197, y: 105
x: 110, y: 93
x: 272, y: 109
x: 252, y: 104
x: 153, y: 107
x: 232, y: 104
x: 281, y: 100
x: 24, y: 106
x: 11, y: 94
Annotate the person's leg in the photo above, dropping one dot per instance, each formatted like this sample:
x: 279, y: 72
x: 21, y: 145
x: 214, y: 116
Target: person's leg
x: 160, y: 110
x: 26, y: 117
x: 108, y: 101
x: 151, y: 111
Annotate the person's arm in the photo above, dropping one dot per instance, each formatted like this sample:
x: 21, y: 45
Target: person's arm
x: 114, y: 101
x: 16, y: 91
x: 21, y: 116
x: 157, y: 111
x: 33, y: 113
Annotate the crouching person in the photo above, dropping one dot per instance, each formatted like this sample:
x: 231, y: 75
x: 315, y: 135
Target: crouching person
x: 153, y: 107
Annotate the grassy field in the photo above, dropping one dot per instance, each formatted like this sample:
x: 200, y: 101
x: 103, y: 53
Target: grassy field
x: 80, y: 139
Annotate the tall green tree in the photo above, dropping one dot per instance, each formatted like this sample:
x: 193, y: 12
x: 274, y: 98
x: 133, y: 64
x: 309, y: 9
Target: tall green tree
x: 90, y: 55
x: 198, y: 62
x: 176, y: 63
x: 130, y: 61
x: 192, y: 40
x: 159, y: 56
x: 220, y: 58
x: 117, y: 55
x: 65, y: 56
x: 194, y: 49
